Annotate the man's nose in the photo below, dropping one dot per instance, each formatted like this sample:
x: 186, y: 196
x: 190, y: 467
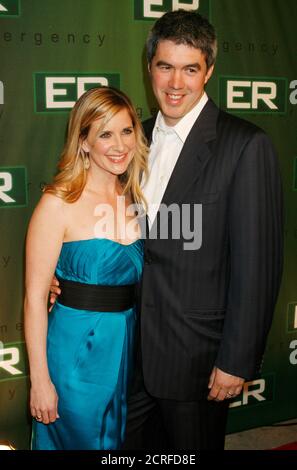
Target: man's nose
x: 176, y: 80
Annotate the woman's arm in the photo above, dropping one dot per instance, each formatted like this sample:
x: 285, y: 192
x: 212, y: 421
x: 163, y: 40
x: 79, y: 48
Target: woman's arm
x: 44, y: 240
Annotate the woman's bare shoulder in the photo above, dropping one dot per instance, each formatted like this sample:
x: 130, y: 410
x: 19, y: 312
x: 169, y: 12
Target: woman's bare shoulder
x: 51, y: 204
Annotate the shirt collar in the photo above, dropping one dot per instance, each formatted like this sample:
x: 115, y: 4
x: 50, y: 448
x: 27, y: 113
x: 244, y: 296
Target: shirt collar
x: 184, y: 126
x: 161, y: 126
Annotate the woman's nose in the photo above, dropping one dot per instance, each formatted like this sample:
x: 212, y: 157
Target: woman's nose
x: 119, y: 144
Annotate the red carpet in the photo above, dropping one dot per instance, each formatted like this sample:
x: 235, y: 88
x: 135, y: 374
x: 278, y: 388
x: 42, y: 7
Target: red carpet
x: 291, y: 446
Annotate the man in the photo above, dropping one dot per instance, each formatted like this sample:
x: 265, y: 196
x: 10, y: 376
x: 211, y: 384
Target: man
x: 206, y: 311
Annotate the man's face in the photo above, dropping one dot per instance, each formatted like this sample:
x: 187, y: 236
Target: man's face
x: 179, y: 74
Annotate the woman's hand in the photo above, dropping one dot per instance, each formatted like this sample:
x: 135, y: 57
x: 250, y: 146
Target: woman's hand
x: 44, y: 402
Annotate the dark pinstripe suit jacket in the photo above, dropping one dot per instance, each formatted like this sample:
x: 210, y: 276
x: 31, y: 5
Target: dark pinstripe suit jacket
x: 214, y: 305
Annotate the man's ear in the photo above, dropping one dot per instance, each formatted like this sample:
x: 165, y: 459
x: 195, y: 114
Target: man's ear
x: 208, y: 74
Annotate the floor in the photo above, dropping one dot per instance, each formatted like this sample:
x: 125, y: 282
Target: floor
x: 263, y: 438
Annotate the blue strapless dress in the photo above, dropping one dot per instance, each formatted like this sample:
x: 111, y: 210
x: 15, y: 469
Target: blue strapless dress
x: 90, y: 354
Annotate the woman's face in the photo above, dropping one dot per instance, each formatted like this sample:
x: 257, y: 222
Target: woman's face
x: 111, y: 149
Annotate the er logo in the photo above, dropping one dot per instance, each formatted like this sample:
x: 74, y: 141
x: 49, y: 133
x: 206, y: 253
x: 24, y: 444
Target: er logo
x: 60, y: 91
x: 6, y: 186
x: 13, y: 187
x: 13, y: 361
x: 255, y: 392
x: 253, y: 94
x: 1, y: 93
x: 152, y: 9
x: 265, y: 91
x: 9, y: 8
x: 9, y: 358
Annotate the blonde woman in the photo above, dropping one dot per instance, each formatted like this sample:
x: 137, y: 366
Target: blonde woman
x: 85, y: 231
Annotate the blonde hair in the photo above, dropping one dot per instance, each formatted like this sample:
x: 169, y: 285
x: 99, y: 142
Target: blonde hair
x: 97, y: 103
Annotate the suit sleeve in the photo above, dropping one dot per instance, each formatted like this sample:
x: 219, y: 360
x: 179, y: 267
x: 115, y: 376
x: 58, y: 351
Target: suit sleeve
x: 255, y: 221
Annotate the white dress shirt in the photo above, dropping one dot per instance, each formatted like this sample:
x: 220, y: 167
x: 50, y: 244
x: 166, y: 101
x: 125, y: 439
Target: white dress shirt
x: 167, y: 143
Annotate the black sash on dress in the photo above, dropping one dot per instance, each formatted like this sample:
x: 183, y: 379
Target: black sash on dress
x: 97, y: 298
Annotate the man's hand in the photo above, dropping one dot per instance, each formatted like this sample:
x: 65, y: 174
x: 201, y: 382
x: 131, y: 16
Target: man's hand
x: 223, y: 386
x: 54, y: 291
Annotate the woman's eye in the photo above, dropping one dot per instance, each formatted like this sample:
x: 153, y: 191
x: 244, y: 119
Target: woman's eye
x: 105, y: 135
x: 127, y: 131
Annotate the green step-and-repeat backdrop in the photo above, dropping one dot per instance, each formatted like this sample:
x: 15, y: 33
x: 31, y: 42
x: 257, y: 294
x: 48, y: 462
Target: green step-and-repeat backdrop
x: 53, y: 50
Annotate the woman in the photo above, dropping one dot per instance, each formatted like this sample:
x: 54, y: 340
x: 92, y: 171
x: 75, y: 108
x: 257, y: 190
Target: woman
x: 81, y: 354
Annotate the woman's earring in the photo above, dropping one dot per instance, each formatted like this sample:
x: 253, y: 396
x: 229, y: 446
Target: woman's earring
x: 86, y: 162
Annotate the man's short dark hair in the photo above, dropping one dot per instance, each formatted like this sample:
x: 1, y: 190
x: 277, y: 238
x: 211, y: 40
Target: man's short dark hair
x: 184, y: 27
